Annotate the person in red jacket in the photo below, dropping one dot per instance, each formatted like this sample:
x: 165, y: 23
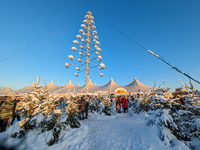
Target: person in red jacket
x: 124, y: 104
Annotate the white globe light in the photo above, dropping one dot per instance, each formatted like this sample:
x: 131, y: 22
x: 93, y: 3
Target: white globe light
x: 94, y: 32
x: 97, y: 53
x: 71, y: 57
x: 97, y: 43
x: 94, y: 40
x: 92, y: 22
x: 67, y: 65
x: 96, y: 37
x: 78, y: 37
x: 91, y: 17
x: 78, y: 68
x: 83, y: 40
x: 86, y: 16
x: 81, y: 31
x: 73, y: 49
x: 96, y: 46
x: 93, y: 27
x: 100, y: 68
x: 80, y: 53
x: 76, y: 74
x: 85, y: 21
x: 75, y: 42
x: 84, y: 34
x: 101, y: 74
x: 79, y: 60
x: 83, y: 26
x: 102, y: 65
x: 99, y: 50
x: 81, y: 46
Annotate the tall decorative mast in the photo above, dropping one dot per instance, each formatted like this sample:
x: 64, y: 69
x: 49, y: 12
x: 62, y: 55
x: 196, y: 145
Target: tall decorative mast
x: 88, y: 44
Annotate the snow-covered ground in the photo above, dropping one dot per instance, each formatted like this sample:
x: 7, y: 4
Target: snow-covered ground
x: 100, y: 132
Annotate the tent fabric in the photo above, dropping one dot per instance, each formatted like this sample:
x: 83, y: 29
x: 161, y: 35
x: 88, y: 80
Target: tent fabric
x: 92, y: 88
x: 27, y: 89
x: 52, y: 87
x: 5, y: 90
x: 109, y: 87
x: 67, y: 88
x: 137, y: 86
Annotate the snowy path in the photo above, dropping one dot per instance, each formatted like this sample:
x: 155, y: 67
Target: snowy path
x: 99, y: 132
x: 120, y: 132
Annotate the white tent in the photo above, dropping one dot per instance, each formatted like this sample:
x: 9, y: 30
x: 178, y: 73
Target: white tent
x: 92, y: 88
x: 137, y: 86
x: 27, y: 89
x: 67, y: 88
x: 109, y: 87
x: 5, y: 91
x: 52, y: 87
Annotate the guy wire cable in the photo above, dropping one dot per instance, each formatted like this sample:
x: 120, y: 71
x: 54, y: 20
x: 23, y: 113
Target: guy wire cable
x: 114, y: 53
x: 39, y: 40
x: 159, y: 57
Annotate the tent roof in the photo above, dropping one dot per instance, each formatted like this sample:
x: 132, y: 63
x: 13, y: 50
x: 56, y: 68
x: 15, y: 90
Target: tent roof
x: 52, y: 87
x: 137, y: 86
x: 27, y: 89
x: 5, y: 90
x: 110, y: 86
x: 92, y: 88
x: 67, y: 88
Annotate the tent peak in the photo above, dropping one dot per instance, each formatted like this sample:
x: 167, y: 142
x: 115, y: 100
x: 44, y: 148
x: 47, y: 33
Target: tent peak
x: 111, y: 79
x: 70, y: 81
x: 51, y: 81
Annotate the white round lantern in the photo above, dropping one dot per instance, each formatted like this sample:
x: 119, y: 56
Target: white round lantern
x: 101, y: 74
x: 81, y: 46
x: 93, y: 27
x: 80, y: 53
x: 67, y: 65
x: 81, y: 31
x: 79, y: 60
x: 97, y: 43
x: 83, y: 40
x: 78, y: 68
x: 83, y: 26
x: 76, y: 74
x: 71, y: 57
x: 78, y: 37
x: 73, y: 49
x: 85, y: 21
x: 75, y: 42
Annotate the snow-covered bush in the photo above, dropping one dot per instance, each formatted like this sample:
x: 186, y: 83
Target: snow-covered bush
x: 94, y: 106
x: 169, y: 130
x: 105, y: 107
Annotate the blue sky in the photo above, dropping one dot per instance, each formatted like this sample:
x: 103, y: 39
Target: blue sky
x: 169, y: 28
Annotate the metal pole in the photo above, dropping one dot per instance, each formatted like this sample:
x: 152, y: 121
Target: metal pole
x: 88, y: 54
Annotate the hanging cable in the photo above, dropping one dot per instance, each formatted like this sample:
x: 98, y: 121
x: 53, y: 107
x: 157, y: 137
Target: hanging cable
x: 114, y: 53
x: 39, y: 40
x: 159, y: 57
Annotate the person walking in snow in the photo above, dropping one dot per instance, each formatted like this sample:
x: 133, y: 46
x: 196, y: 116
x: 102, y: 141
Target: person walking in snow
x: 82, y: 108
x: 118, y: 104
x: 124, y: 103
x: 86, y: 108
x: 6, y: 112
x: 16, y: 111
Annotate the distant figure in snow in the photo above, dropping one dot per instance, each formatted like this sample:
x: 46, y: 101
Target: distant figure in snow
x: 124, y: 104
x: 118, y: 104
x: 6, y: 112
x: 82, y: 108
x: 86, y: 108
x: 16, y: 111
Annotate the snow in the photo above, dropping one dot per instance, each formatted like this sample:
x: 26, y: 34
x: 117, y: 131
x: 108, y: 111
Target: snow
x: 119, y: 131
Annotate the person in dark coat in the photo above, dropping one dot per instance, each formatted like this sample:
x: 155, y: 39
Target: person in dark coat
x: 86, y: 109
x: 6, y: 112
x: 82, y: 108
x: 16, y: 111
